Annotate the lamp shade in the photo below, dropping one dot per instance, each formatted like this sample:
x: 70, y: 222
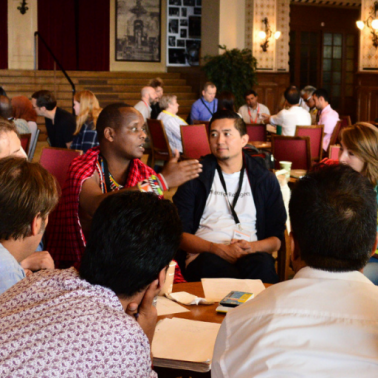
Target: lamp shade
x: 360, y: 24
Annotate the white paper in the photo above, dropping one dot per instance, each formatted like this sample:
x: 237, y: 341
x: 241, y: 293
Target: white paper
x: 217, y: 288
x: 185, y: 340
x: 187, y: 299
x: 165, y: 306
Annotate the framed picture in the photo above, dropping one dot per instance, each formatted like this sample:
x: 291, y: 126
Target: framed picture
x: 174, y: 2
x: 197, y: 10
x: 189, y: 3
x: 176, y: 56
x: 138, y: 30
x: 183, y: 12
x: 181, y: 43
x: 183, y: 22
x: 174, y: 12
x: 183, y: 33
x: 173, y: 26
x: 171, y: 41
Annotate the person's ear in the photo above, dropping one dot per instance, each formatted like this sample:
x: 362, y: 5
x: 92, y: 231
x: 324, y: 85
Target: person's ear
x: 36, y: 225
x: 294, y: 253
x: 375, y: 245
x: 162, y: 276
x: 109, y: 134
x: 43, y: 109
x: 203, y: 93
x: 245, y: 140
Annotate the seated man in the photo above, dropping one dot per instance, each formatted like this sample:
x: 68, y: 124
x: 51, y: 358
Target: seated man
x: 204, y: 108
x: 114, y: 165
x: 171, y: 121
x: 291, y: 117
x: 233, y: 234
x: 252, y: 111
x: 28, y: 194
x: 157, y: 84
x: 99, y: 321
x: 148, y: 97
x: 327, y: 116
x: 309, y: 102
x: 6, y: 112
x: 322, y: 323
x: 60, y: 124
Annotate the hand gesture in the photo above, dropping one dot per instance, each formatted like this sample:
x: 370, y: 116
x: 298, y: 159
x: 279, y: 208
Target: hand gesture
x: 231, y: 253
x: 264, y: 116
x: 146, y: 313
x: 176, y: 173
x: 38, y: 261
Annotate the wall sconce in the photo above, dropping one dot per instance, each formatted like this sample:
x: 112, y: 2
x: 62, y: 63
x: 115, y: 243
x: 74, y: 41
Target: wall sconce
x: 23, y: 7
x: 372, y: 23
x: 267, y: 34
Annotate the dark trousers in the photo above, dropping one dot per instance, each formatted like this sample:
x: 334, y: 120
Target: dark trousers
x: 258, y: 265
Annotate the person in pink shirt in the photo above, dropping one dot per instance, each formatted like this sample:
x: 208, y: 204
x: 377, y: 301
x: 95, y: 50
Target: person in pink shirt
x: 327, y: 116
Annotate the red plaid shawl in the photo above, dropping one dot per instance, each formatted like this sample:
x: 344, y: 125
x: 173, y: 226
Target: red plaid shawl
x: 64, y: 236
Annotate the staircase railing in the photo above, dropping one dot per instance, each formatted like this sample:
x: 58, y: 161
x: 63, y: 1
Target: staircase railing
x: 56, y: 62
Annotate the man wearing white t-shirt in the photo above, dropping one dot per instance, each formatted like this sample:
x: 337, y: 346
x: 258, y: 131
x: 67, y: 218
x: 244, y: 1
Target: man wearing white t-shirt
x: 251, y: 112
x: 292, y: 117
x: 230, y: 235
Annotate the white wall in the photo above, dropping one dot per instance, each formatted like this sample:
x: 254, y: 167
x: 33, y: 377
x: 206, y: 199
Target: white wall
x: 232, y: 23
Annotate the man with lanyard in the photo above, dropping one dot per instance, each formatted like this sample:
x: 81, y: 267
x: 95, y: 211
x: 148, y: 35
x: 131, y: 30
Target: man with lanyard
x: 204, y: 108
x: 112, y: 166
x: 171, y: 121
x: 233, y: 214
x: 251, y: 112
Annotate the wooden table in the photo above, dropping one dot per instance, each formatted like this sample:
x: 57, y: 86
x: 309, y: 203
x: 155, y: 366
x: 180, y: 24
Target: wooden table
x: 204, y: 313
x: 261, y: 145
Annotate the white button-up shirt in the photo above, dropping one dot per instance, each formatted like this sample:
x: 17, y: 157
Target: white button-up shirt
x: 319, y: 324
x: 289, y: 119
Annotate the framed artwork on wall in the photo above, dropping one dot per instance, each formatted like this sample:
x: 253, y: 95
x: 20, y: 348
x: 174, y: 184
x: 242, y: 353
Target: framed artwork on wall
x: 138, y: 30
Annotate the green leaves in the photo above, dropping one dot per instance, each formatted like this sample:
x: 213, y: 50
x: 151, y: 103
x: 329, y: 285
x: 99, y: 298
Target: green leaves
x: 234, y: 70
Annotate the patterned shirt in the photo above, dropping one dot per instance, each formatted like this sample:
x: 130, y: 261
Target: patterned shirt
x: 86, y: 139
x: 10, y: 270
x: 172, y: 125
x: 55, y: 324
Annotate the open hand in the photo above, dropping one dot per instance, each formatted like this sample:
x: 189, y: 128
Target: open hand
x: 177, y: 173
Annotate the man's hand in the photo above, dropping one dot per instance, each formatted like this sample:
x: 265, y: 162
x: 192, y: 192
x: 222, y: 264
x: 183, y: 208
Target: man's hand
x: 265, y: 117
x: 231, y: 253
x: 176, y: 173
x: 38, y: 261
x: 146, y: 313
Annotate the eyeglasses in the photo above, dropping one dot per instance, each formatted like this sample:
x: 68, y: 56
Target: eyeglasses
x: 308, y: 99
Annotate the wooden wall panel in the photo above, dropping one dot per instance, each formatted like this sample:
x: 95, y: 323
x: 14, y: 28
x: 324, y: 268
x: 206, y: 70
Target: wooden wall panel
x: 367, y: 96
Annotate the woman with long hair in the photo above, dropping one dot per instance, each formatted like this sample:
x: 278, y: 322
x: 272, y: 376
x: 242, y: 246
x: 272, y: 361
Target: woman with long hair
x: 359, y: 150
x: 87, y: 110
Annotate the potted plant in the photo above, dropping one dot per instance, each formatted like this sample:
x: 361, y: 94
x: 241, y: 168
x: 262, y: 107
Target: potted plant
x: 233, y: 70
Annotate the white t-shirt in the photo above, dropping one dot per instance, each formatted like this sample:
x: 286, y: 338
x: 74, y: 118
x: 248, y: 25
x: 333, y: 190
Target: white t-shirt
x: 289, y: 119
x: 250, y: 115
x: 217, y: 223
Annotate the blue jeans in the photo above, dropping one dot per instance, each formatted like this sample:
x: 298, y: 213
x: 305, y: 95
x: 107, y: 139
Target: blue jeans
x: 371, y: 270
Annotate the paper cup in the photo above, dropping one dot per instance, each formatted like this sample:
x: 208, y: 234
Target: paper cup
x: 286, y: 165
x: 168, y: 284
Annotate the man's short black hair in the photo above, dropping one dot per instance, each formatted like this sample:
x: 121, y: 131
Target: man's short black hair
x: 333, y: 213
x: 292, y: 95
x: 110, y: 116
x: 229, y: 114
x: 321, y: 92
x: 250, y: 92
x: 45, y: 98
x: 133, y: 237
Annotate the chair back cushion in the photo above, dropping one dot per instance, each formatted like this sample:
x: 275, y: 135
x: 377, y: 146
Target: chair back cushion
x: 195, y: 141
x: 256, y: 133
x: 315, y: 133
x: 159, y: 140
x: 25, y: 142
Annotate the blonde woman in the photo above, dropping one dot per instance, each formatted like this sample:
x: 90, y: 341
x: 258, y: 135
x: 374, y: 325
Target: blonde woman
x: 359, y: 150
x: 87, y: 110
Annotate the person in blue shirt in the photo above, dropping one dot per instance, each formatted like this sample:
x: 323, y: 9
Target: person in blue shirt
x: 204, y: 108
x: 28, y: 193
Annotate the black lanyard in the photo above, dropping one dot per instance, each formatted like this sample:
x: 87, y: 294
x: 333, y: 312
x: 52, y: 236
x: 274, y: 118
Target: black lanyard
x: 237, y: 194
x: 211, y: 112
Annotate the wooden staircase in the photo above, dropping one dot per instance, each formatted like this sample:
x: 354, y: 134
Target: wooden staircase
x: 109, y: 87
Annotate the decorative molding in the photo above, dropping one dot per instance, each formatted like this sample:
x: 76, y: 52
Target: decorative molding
x: 283, y: 25
x: 338, y: 3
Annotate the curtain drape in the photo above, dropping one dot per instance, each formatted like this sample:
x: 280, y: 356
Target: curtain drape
x: 3, y: 34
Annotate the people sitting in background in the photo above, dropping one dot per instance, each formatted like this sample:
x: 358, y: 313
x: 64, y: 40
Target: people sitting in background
x: 6, y: 112
x: 308, y: 99
x: 28, y: 194
x: 99, y: 320
x: 233, y: 214
x: 112, y: 166
x: 23, y: 109
x: 324, y: 321
x: 292, y: 117
x: 171, y: 121
x: 359, y: 150
x: 10, y: 144
x: 226, y: 101
x: 157, y: 84
x: 87, y: 110
x: 252, y: 111
x: 149, y: 97
x: 327, y: 116
x: 60, y: 124
x: 204, y: 108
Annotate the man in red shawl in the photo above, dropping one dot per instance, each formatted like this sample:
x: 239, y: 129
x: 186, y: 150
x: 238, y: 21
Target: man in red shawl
x: 113, y: 165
